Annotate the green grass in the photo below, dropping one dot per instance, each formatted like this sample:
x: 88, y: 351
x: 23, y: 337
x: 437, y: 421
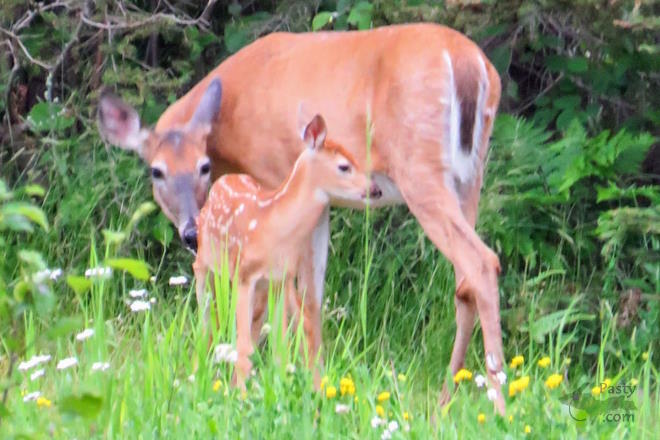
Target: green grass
x: 399, y: 322
x: 388, y: 310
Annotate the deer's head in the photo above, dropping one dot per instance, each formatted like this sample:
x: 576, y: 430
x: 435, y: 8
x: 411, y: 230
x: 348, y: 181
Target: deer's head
x: 179, y: 166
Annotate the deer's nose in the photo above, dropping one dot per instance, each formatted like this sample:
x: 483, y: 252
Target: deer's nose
x: 190, y: 236
x: 375, y: 192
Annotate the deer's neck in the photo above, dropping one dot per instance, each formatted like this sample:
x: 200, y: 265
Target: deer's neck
x: 299, y: 200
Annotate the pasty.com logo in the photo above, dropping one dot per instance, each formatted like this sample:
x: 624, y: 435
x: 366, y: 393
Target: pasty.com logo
x: 611, y: 403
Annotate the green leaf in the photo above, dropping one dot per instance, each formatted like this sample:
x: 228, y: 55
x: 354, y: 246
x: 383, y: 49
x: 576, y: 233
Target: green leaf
x: 577, y: 64
x: 137, y: 268
x: 79, y: 284
x: 113, y: 237
x: 32, y: 258
x: 26, y: 210
x: 321, y: 20
x: 567, y: 102
x: 64, y: 327
x: 360, y: 15
x: 86, y: 406
x: 540, y: 327
x: 235, y: 38
x: 162, y: 231
x: 35, y: 190
x: 48, y: 116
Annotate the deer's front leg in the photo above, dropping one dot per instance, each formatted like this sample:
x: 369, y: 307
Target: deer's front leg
x: 244, y: 347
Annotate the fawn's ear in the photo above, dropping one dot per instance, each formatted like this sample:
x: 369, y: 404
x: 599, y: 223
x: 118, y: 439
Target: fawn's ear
x: 119, y: 124
x: 314, y: 134
x: 207, y: 109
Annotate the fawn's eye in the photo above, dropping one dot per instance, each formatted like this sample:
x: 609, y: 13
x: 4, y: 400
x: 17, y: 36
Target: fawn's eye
x: 157, y: 173
x: 205, y: 169
x: 344, y: 168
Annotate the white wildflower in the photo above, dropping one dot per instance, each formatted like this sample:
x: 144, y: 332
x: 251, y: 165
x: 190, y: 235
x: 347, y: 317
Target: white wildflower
x: 178, y: 281
x: 386, y: 435
x: 32, y: 396
x: 191, y: 378
x: 41, y: 276
x: 85, y: 334
x: 140, y: 306
x: 152, y: 300
x: 37, y: 374
x: 33, y: 362
x: 100, y: 366
x: 492, y: 394
x: 376, y: 422
x: 67, y: 363
x: 393, y: 426
x: 224, y: 353
x: 479, y: 380
x: 290, y: 368
x: 137, y: 293
x: 265, y: 329
x: 340, y: 408
x: 98, y: 272
x: 153, y: 279
x: 55, y: 274
x: 501, y: 377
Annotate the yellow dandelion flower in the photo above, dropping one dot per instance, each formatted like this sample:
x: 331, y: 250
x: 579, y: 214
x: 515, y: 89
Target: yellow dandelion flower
x: 634, y: 381
x: 331, y: 392
x: 518, y: 385
x: 567, y: 361
x: 324, y: 381
x: 380, y: 411
x: 401, y: 377
x: 406, y: 416
x: 595, y: 391
x: 645, y: 356
x: 346, y: 386
x: 43, y: 402
x: 517, y: 361
x: 511, y: 419
x: 607, y: 382
x: 544, y: 362
x: 462, y: 375
x: 382, y: 397
x: 217, y: 385
x: 528, y: 429
x: 553, y: 381
x: 481, y: 418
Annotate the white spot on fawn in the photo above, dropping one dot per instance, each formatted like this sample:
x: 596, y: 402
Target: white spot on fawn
x: 252, y: 225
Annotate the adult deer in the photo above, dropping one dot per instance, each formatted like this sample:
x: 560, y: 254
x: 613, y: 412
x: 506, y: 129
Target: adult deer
x: 431, y: 95
x: 263, y: 231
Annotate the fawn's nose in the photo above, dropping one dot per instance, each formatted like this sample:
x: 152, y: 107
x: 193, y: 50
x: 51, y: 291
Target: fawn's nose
x: 190, y: 236
x: 375, y: 192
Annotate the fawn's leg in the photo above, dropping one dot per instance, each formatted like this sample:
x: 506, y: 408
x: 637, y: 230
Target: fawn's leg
x: 244, y: 345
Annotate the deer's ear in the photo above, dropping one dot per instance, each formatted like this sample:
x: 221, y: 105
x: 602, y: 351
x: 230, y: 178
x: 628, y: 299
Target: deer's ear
x: 314, y: 134
x: 208, y: 107
x: 119, y: 124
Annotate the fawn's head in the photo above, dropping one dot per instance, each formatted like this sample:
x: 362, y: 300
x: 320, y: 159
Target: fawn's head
x: 333, y: 168
x: 179, y: 166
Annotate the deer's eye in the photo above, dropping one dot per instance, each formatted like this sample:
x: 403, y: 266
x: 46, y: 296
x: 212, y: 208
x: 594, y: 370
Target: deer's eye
x: 157, y: 173
x: 344, y: 168
x: 205, y: 169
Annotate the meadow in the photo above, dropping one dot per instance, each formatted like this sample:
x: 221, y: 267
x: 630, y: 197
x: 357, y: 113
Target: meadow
x: 101, y: 336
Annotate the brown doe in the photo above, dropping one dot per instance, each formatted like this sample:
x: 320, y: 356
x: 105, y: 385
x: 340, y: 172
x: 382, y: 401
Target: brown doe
x: 429, y: 92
